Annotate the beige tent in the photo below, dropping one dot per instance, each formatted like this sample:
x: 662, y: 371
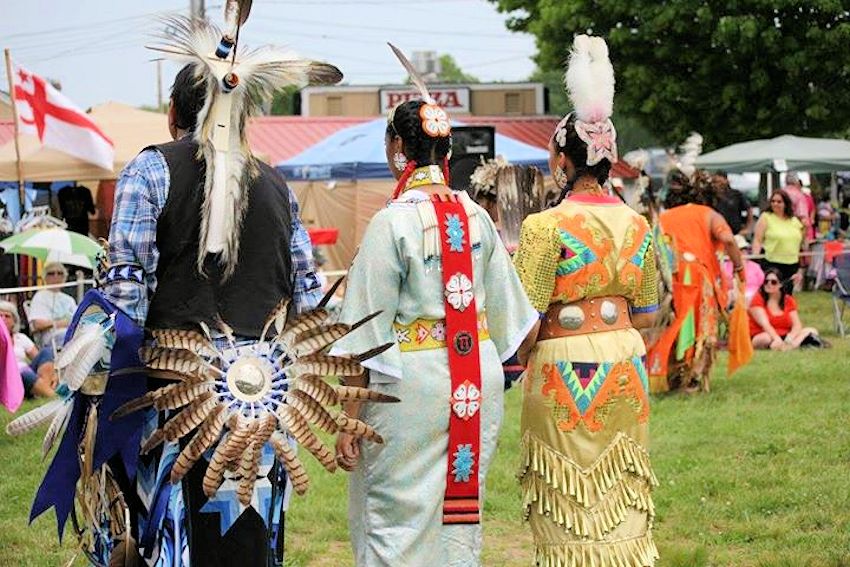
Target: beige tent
x: 348, y: 206
x: 345, y: 205
x: 129, y: 128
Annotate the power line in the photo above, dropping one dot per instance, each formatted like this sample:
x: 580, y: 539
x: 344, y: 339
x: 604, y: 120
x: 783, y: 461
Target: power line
x: 374, y: 41
x: 362, y: 2
x: 81, y: 27
x: 410, y: 31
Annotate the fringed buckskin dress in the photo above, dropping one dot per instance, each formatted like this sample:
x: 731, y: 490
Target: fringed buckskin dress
x: 586, y: 475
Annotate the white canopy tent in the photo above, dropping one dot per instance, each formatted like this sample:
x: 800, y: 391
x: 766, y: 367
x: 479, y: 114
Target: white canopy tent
x: 815, y: 155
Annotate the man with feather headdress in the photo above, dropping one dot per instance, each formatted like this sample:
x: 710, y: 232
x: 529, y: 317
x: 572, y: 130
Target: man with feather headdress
x: 202, y: 233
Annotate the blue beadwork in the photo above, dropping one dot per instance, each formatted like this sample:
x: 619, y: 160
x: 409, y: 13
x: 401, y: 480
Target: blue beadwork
x: 454, y: 232
x: 464, y: 459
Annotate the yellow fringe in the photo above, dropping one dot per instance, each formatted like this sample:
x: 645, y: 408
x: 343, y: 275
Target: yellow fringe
x: 623, y: 455
x: 636, y: 552
x: 585, y: 521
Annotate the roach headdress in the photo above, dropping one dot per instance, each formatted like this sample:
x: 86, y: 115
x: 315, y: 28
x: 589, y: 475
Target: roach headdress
x: 236, y: 81
x: 590, y: 85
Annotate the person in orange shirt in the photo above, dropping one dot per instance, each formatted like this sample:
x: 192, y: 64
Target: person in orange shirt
x: 696, y: 233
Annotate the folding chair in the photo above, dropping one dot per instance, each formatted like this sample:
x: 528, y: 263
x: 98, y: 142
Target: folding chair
x: 841, y: 291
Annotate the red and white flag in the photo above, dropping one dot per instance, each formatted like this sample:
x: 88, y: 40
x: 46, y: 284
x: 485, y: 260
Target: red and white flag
x: 45, y: 112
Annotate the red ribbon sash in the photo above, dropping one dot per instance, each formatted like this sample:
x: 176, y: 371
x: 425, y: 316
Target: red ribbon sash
x: 460, y: 505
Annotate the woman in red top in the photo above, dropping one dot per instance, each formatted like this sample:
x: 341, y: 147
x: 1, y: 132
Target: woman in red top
x: 774, y: 321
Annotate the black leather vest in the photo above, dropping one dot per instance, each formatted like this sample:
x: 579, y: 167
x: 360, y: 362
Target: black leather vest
x: 263, y: 274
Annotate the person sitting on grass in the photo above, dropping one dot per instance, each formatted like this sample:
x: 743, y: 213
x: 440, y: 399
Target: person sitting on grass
x: 36, y: 366
x: 774, y: 320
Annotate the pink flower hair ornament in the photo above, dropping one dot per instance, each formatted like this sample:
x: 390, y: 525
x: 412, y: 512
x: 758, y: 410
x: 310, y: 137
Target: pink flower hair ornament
x: 601, y: 140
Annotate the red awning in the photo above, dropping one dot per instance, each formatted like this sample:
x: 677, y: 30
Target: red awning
x: 277, y: 138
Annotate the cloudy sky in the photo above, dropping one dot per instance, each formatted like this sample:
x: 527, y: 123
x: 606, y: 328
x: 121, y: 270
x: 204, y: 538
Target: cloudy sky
x: 95, y: 47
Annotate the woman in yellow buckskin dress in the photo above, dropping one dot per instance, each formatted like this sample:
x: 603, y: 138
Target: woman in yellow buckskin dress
x: 588, y: 267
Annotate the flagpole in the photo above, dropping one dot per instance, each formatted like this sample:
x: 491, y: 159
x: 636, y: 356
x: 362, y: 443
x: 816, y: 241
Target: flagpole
x: 18, y: 163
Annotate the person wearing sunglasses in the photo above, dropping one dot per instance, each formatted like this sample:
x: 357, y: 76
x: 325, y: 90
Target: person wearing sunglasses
x: 774, y: 320
x: 780, y: 234
x: 51, y: 310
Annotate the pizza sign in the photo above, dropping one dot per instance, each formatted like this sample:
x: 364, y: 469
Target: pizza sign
x: 452, y: 99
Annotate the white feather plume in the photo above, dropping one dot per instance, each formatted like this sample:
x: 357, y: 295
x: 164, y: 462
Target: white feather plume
x: 33, y: 418
x: 688, y: 153
x: 88, y: 347
x: 638, y: 159
x: 231, y: 166
x: 73, y: 347
x: 57, y: 426
x: 590, y: 79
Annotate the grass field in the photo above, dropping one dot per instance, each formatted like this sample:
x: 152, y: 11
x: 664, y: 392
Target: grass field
x: 754, y: 474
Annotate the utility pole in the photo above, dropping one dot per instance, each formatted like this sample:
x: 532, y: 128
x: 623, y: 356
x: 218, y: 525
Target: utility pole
x: 159, y: 85
x: 197, y: 9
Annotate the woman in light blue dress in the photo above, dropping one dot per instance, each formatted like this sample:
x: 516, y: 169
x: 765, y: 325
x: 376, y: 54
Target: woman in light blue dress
x: 396, y: 491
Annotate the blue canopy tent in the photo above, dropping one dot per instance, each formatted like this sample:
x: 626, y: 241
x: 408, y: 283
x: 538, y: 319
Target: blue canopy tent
x: 357, y: 152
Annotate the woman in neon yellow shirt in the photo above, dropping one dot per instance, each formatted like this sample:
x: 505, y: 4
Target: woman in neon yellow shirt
x: 780, y: 234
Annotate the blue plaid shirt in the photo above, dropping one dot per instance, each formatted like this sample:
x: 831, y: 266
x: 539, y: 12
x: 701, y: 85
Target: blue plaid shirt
x: 140, y: 196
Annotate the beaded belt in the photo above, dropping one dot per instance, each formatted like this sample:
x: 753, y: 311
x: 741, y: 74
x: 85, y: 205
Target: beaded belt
x: 607, y: 313
x: 429, y: 334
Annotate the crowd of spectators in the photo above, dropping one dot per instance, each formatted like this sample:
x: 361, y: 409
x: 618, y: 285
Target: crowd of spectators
x: 774, y: 264
x: 48, y: 315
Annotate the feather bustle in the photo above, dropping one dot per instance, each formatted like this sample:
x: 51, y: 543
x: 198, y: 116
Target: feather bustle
x: 357, y: 394
x: 214, y: 475
x: 248, y: 466
x: 181, y: 395
x: 182, y: 339
x: 189, y: 417
x: 207, y: 434
x: 299, y: 429
x: 318, y: 389
x: 311, y: 410
x: 286, y: 454
x: 357, y: 428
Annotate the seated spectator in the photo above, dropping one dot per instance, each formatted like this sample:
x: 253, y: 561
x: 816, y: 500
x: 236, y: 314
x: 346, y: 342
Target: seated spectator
x: 51, y: 310
x: 36, y: 366
x: 753, y: 274
x: 780, y: 235
x: 774, y: 321
x: 826, y: 216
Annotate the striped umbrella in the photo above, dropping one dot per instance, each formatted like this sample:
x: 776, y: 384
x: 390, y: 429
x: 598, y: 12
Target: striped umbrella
x: 54, y: 245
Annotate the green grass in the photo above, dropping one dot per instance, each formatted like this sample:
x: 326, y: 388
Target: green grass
x: 754, y: 474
